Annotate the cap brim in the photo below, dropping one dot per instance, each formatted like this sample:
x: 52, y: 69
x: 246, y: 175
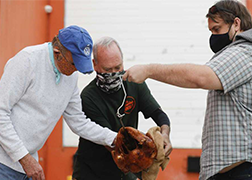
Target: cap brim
x: 83, y: 64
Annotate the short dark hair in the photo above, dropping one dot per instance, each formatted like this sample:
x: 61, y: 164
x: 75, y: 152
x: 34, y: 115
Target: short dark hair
x: 228, y: 10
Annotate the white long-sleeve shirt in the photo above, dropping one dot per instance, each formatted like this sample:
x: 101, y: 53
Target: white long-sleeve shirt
x: 31, y: 103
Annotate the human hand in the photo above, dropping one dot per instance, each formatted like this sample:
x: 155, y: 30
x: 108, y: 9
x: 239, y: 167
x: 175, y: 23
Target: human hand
x: 32, y: 168
x: 167, y: 145
x: 109, y: 148
x: 165, y: 131
x: 137, y: 74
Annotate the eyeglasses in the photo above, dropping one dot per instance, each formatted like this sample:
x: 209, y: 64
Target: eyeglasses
x: 214, y: 9
x: 61, y: 52
x: 66, y: 58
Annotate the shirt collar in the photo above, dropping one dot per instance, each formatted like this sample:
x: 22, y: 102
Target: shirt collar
x: 56, y: 71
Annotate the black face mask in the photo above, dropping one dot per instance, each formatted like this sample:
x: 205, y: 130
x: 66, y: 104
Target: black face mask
x: 219, y: 41
x: 109, y: 82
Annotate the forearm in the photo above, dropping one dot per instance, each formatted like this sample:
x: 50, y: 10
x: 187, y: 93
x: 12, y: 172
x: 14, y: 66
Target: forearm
x: 160, y: 117
x: 10, y: 141
x: 89, y: 130
x: 83, y: 126
x: 184, y: 75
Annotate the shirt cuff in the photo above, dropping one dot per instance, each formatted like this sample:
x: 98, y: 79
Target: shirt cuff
x: 18, y: 154
x: 110, y: 138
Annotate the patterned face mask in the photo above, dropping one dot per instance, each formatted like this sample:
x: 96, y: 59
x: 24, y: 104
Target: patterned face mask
x: 109, y: 82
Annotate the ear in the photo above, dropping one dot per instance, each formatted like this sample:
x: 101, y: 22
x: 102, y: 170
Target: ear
x: 237, y: 24
x: 56, y: 52
x: 56, y: 49
x: 94, y: 64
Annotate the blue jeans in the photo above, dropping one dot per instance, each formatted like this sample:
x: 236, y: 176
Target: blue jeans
x: 7, y: 173
x: 241, y: 172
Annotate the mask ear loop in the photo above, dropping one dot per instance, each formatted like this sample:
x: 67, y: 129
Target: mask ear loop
x: 125, y: 95
x: 233, y: 35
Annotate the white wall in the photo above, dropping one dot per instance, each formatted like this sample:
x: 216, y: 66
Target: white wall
x: 160, y: 31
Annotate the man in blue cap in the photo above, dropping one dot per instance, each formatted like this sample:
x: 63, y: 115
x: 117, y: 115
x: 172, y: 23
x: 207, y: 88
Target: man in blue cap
x: 39, y: 85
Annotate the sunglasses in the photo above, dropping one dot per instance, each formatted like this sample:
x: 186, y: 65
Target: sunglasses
x: 214, y: 9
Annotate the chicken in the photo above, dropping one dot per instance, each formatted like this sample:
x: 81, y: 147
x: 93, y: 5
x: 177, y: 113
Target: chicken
x: 133, y: 151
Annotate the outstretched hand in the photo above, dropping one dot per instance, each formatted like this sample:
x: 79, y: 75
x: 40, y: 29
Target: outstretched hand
x: 137, y: 74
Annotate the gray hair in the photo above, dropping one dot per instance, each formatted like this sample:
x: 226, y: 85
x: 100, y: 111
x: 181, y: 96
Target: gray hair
x: 105, y: 42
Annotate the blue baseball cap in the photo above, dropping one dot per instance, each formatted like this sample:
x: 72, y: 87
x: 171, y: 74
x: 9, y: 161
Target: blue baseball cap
x: 78, y: 41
